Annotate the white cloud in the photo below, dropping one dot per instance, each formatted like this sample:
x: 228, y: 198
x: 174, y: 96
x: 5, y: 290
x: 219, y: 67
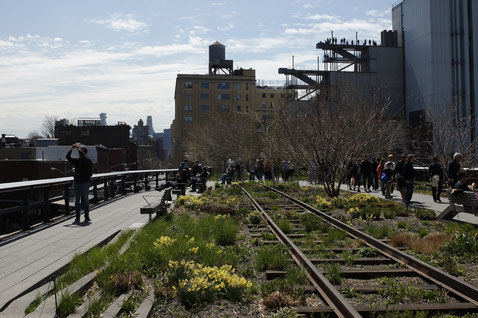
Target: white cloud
x: 320, y: 17
x: 226, y: 27
x: 377, y: 14
x: 119, y: 22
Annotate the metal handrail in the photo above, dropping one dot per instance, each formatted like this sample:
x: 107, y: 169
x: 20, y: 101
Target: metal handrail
x: 13, y: 186
x: 40, y: 194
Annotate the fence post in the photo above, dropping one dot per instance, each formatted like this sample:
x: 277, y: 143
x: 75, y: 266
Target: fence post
x: 146, y: 177
x: 95, y: 191
x: 105, y: 190
x: 67, y: 199
x: 46, y: 205
x: 123, y: 185
x: 135, y: 181
x: 157, y: 179
x: 25, y: 217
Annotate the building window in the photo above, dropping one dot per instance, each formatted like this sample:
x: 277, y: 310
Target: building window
x: 224, y: 85
x: 238, y: 108
x: 204, y: 96
x: 247, y: 86
x: 247, y: 97
x: 272, y: 104
x: 272, y: 95
x: 188, y: 108
x: 238, y: 86
x: 204, y: 85
x: 264, y: 105
x: 188, y: 84
x: 188, y: 119
x: 188, y: 96
x: 223, y: 96
x: 204, y: 108
x: 223, y: 108
x: 263, y: 95
x: 85, y: 133
x: 247, y: 108
x: 238, y: 96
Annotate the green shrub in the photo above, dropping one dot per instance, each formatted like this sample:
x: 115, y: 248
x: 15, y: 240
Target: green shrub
x: 402, y: 225
x: 225, y: 233
x: 367, y: 252
x: 311, y: 222
x: 379, y: 232
x: 254, y: 217
x: 365, y: 213
x: 334, y: 273
x: 67, y: 305
x: 423, y: 232
x: 273, y: 257
x: 425, y: 214
x: 268, y: 236
x: 389, y: 214
x: 285, y: 226
x: 463, y: 244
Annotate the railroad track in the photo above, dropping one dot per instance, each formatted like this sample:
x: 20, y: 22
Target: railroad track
x: 461, y: 297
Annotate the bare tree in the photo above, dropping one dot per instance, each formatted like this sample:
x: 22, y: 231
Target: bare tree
x: 48, y: 126
x: 335, y: 129
x: 449, y: 133
x: 227, y: 135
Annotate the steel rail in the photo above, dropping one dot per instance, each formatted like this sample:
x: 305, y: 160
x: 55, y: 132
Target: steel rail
x: 338, y: 303
x: 439, y: 277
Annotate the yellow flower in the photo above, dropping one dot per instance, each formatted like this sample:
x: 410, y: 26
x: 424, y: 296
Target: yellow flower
x: 210, y: 245
x: 194, y: 250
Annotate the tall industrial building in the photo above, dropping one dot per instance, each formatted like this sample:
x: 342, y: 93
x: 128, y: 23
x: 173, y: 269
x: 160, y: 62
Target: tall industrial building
x: 440, y: 43
x: 198, y: 97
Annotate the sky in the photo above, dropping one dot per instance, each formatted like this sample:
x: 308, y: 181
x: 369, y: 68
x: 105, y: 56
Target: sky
x: 72, y: 59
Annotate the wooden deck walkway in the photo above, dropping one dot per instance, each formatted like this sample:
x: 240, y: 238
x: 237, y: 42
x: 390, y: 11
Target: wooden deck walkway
x: 28, y: 260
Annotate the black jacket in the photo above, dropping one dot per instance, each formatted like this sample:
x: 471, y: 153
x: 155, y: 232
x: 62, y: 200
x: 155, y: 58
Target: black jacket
x: 408, y: 171
x: 453, y: 168
x: 435, y: 170
x: 83, y: 167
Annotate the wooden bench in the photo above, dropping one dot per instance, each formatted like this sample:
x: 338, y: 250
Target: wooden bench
x: 460, y: 202
x: 160, y: 207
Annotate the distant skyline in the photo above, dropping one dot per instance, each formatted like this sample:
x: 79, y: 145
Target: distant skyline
x: 81, y: 58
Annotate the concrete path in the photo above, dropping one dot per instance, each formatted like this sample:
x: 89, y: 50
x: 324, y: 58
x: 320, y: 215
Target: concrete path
x: 420, y: 200
x: 28, y: 260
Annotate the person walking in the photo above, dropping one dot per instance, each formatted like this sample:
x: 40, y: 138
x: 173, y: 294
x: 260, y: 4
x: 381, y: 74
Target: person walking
x: 408, y: 176
x: 379, y: 170
x: 435, y: 174
x: 83, y: 172
x: 366, y: 174
x: 453, y: 167
x: 374, y: 166
x: 398, y: 176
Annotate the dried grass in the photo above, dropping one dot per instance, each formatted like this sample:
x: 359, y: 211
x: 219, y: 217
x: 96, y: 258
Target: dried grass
x: 428, y: 244
x: 278, y: 300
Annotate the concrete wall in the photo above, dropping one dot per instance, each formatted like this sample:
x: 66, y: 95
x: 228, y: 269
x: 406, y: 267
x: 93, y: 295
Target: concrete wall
x: 385, y: 79
x: 437, y: 54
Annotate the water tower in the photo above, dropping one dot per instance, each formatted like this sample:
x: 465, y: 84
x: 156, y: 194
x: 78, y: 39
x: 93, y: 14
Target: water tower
x: 217, y: 59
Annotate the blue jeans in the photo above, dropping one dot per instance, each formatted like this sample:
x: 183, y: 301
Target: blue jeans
x: 81, y: 193
x: 408, y: 195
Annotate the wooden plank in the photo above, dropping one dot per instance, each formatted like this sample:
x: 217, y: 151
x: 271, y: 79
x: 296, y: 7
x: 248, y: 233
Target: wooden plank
x: 356, y: 273
x: 42, y: 253
x: 446, y: 307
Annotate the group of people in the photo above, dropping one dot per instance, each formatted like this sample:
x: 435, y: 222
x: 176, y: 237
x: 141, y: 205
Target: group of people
x: 259, y: 169
x: 402, y: 175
